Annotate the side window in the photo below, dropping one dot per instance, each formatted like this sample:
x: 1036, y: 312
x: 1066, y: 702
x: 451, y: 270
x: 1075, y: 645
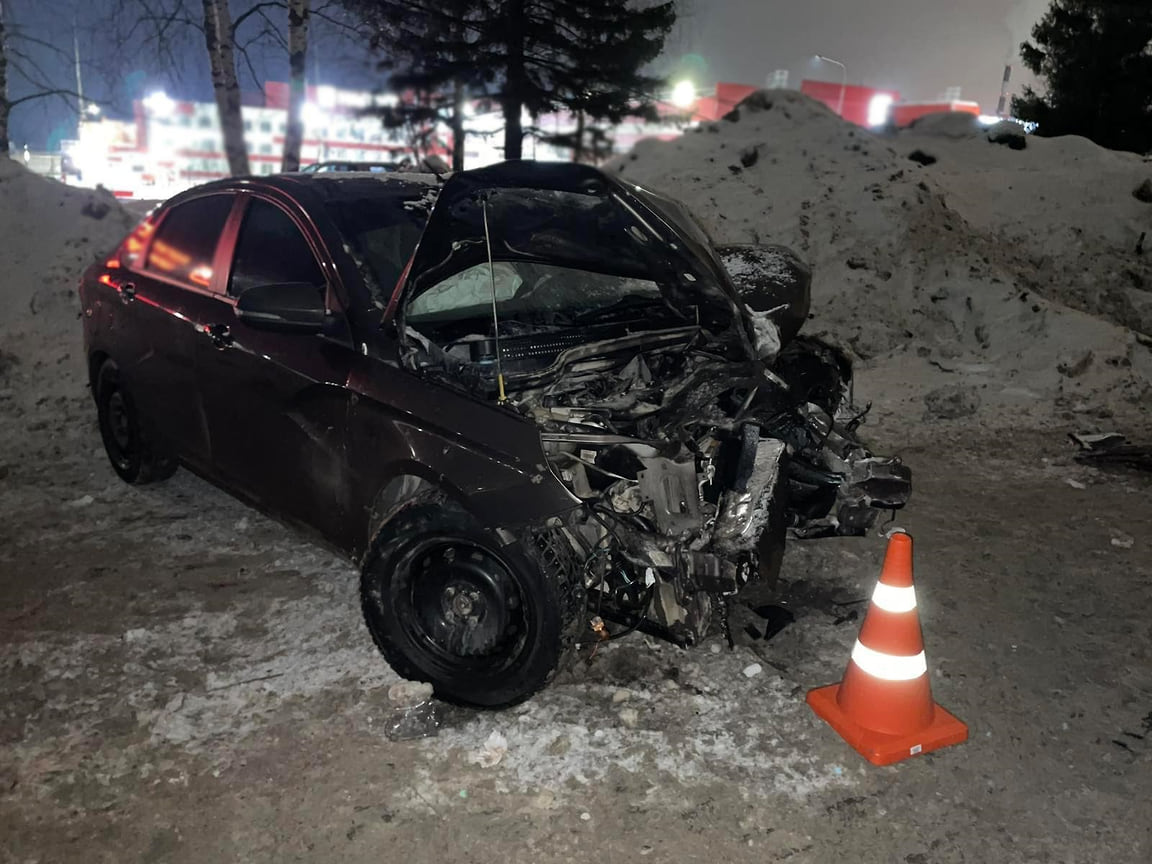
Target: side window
x: 466, y: 290
x: 271, y: 250
x: 186, y: 239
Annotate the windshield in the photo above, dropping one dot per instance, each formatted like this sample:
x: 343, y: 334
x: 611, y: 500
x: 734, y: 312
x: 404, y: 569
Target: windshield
x: 534, y: 295
x: 584, y: 232
x: 381, y: 232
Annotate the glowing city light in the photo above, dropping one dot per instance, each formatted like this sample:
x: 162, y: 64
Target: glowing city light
x: 159, y: 103
x: 683, y: 94
x: 878, y: 109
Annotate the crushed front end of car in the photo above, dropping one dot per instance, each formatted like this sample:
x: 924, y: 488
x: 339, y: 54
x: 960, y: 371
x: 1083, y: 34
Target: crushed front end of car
x: 691, y: 425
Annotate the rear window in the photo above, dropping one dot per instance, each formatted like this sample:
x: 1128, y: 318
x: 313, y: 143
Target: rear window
x: 186, y: 239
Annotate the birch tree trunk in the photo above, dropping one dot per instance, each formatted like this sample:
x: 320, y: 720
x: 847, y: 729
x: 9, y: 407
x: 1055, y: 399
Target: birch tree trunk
x: 4, y: 106
x: 297, y: 55
x: 458, y: 132
x: 218, y: 40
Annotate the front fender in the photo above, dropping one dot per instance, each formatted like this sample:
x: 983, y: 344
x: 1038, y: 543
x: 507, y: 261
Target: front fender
x: 482, y: 456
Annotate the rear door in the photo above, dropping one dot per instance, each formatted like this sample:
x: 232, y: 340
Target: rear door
x: 166, y: 292
x: 276, y: 402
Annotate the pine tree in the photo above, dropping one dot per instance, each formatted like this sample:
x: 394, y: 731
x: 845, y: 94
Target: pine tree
x: 532, y: 56
x: 584, y: 55
x: 432, y: 56
x: 1095, y: 57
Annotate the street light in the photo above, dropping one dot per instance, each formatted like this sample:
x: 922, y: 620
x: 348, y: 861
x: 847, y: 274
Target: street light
x: 843, y: 80
x: 159, y: 103
x: 683, y: 94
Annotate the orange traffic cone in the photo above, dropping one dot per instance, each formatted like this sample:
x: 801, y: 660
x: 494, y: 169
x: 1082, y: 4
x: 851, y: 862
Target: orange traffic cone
x: 884, y: 706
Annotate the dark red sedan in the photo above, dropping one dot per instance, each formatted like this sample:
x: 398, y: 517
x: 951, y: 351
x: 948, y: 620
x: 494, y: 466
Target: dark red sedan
x: 528, y: 400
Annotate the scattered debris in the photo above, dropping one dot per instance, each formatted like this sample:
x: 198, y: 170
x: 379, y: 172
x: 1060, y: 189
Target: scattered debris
x: 1075, y: 484
x: 493, y: 750
x: 82, y: 501
x: 1097, y: 440
x: 1112, y: 449
x: 414, y: 715
x: 952, y: 401
x: 748, y: 156
x: 752, y: 670
x: 776, y: 619
x: 408, y: 693
x: 1123, y: 541
x: 629, y: 717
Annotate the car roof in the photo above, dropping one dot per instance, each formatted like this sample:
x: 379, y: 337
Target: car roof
x: 323, y: 186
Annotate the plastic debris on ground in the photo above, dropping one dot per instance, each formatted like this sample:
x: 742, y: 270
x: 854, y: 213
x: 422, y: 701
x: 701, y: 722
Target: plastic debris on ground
x: 491, y: 752
x: 413, y: 713
x: 1112, y: 449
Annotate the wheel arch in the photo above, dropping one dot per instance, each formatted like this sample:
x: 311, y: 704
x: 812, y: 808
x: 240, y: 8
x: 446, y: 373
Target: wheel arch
x: 96, y: 361
x: 410, y: 482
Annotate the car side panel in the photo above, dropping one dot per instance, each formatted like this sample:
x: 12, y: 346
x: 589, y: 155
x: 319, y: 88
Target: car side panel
x: 485, y: 457
x: 277, y: 407
x: 162, y: 370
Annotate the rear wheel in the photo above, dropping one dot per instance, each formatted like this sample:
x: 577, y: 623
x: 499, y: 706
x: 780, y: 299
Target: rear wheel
x: 486, y: 624
x: 133, y: 455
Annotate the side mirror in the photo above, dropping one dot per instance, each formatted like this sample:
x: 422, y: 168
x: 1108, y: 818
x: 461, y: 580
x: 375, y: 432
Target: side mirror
x: 295, y: 307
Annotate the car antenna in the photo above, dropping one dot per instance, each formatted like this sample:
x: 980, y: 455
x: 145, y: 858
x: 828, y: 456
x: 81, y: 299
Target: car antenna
x: 495, y: 316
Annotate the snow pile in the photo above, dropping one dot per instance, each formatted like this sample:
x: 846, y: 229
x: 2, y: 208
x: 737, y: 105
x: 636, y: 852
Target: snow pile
x: 49, y: 233
x: 955, y: 272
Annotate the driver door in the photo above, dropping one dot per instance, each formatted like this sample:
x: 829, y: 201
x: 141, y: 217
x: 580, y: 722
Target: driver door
x: 276, y: 402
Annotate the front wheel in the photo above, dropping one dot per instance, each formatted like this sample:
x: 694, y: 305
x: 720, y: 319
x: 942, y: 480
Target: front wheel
x: 487, y: 624
x: 134, y: 456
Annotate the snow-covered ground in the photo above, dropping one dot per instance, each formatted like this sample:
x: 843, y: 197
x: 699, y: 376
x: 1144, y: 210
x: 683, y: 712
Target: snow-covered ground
x: 185, y: 680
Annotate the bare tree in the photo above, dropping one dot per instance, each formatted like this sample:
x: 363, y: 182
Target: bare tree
x: 297, y: 57
x: 5, y: 107
x: 220, y: 40
x: 18, y: 62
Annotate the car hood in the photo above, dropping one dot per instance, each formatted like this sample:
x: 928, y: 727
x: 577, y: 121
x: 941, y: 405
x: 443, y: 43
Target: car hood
x: 576, y: 216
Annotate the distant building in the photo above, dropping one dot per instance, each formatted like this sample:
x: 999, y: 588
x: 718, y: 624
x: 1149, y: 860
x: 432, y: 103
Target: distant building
x: 170, y: 144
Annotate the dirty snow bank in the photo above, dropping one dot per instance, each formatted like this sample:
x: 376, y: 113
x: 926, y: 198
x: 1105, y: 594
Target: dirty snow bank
x: 49, y: 233
x: 959, y: 272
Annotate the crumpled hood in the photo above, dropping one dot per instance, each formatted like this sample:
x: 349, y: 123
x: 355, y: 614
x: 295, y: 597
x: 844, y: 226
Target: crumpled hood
x: 576, y: 216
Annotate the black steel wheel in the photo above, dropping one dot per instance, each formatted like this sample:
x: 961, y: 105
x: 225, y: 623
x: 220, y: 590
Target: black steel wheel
x: 132, y: 454
x: 486, y: 624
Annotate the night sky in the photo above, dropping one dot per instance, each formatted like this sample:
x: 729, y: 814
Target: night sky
x: 919, y: 47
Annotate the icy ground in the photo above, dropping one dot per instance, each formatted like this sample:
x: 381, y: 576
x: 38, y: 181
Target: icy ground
x: 185, y: 680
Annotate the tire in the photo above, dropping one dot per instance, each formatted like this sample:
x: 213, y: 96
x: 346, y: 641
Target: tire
x: 133, y: 455
x: 486, y: 624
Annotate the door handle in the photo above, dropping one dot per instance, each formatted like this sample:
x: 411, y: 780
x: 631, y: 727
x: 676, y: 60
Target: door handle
x: 220, y: 334
x: 126, y: 291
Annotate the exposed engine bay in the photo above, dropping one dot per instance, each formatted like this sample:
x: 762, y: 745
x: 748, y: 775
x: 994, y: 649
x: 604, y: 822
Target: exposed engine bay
x: 690, y: 465
x: 674, y: 398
